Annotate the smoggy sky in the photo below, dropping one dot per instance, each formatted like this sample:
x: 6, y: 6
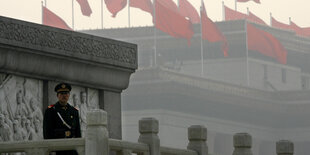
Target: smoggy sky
x: 30, y: 10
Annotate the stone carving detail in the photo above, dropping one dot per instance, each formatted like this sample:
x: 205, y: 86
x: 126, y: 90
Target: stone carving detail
x: 66, y: 41
x: 85, y: 101
x: 21, y: 114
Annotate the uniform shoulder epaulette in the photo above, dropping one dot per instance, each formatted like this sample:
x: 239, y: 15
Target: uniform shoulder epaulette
x: 76, y: 108
x: 51, y: 106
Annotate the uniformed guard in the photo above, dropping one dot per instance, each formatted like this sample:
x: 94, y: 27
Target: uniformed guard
x: 61, y: 120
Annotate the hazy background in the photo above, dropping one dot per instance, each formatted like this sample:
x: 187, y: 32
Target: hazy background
x: 30, y: 10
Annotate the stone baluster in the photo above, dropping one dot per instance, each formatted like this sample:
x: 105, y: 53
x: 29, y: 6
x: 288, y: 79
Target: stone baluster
x: 97, y: 136
x: 285, y: 147
x: 148, y: 128
x: 197, y: 136
x: 242, y: 144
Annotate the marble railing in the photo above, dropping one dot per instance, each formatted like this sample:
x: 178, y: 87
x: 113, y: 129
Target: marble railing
x: 97, y: 141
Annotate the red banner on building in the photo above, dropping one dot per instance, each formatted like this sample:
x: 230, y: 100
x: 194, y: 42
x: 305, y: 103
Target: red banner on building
x: 255, y: 19
x: 265, y: 43
x: 277, y: 24
x: 299, y: 30
x: 51, y: 19
x: 233, y: 15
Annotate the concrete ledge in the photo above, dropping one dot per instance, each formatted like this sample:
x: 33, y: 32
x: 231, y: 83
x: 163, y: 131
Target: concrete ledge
x: 43, y: 52
x: 52, y: 145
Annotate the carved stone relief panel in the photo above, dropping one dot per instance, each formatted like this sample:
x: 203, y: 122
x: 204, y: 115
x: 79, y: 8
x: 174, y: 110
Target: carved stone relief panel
x: 84, y: 99
x: 21, y: 114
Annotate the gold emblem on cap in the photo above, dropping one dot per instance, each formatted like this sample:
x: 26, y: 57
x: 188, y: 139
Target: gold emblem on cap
x: 68, y: 133
x: 63, y: 86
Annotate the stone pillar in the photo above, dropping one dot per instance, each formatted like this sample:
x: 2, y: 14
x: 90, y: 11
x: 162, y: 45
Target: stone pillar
x: 285, y: 147
x: 97, y: 136
x: 148, y: 128
x: 111, y: 103
x: 197, y: 136
x: 242, y: 144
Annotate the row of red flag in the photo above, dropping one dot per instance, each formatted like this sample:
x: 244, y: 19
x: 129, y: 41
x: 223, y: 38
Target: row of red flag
x: 234, y: 15
x: 177, y: 22
x: 259, y: 40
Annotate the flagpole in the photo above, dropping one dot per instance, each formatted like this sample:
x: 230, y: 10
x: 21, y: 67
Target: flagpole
x: 223, y: 11
x: 247, y: 53
x: 248, y: 11
x: 128, y: 13
x: 270, y: 19
x: 44, y: 3
x: 42, y: 12
x: 155, y: 33
x: 72, y: 15
x: 235, y: 5
x: 201, y: 42
x: 289, y: 20
x: 101, y: 14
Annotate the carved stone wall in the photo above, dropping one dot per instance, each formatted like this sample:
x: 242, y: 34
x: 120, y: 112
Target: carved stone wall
x: 20, y: 108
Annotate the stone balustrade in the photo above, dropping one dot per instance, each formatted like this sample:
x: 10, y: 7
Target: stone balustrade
x: 97, y: 141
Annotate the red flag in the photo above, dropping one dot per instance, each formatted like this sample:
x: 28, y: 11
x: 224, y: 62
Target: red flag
x: 255, y: 19
x: 187, y: 10
x: 280, y: 25
x: 85, y: 8
x: 210, y: 31
x: 169, y: 4
x: 172, y: 22
x: 256, y: 1
x: 145, y: 5
x: 51, y: 19
x: 265, y: 43
x: 233, y: 15
x: 114, y: 6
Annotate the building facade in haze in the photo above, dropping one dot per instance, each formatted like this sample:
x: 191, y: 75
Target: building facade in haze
x: 246, y: 91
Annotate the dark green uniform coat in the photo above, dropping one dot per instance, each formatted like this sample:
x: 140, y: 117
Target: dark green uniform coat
x: 54, y: 128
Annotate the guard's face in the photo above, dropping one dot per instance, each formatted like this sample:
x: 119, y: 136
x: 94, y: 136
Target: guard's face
x: 63, y: 97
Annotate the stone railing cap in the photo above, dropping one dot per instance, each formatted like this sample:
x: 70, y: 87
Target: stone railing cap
x: 148, y: 125
x: 285, y: 147
x: 242, y: 140
x: 197, y: 132
x: 96, y: 117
